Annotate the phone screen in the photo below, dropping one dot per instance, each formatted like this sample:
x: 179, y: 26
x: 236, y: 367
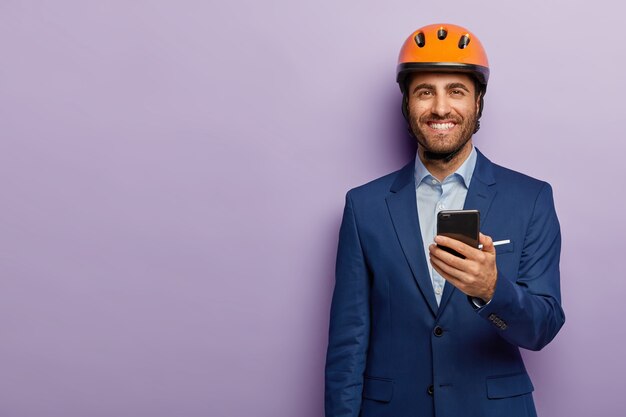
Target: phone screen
x: 463, y: 225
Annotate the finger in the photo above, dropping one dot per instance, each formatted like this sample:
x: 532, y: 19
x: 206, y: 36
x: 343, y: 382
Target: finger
x: 449, y: 278
x: 463, y: 286
x: 449, y: 272
x: 446, y: 257
x: 457, y: 245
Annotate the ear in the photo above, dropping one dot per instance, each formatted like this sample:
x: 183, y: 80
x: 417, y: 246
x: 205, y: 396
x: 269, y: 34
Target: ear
x: 478, y: 98
x: 405, y: 106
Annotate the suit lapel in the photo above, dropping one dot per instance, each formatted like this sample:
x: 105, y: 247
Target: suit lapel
x: 480, y: 194
x: 402, y: 205
x: 482, y: 188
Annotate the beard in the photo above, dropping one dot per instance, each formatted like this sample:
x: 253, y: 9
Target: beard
x: 442, y: 146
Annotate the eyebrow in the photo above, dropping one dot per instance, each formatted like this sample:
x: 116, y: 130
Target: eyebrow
x: 425, y: 86
x: 457, y: 85
x: 448, y: 86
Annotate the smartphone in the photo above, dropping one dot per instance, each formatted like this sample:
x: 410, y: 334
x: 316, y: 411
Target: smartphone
x: 463, y: 225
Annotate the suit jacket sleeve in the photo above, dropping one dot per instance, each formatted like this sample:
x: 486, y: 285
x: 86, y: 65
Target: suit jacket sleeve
x: 527, y: 309
x: 349, y: 323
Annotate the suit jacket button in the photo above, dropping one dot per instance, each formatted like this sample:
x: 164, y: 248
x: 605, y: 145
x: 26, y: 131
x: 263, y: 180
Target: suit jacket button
x: 438, y: 331
x: 430, y: 390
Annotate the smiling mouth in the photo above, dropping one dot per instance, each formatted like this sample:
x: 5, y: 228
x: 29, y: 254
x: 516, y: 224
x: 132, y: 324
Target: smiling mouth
x: 441, y: 126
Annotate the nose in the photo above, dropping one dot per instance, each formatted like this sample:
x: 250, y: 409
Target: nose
x: 441, y: 105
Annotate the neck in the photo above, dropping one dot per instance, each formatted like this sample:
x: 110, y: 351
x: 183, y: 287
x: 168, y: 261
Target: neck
x: 440, y: 168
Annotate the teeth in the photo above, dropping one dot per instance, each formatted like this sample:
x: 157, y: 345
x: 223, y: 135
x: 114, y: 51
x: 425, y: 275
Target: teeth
x: 442, y: 126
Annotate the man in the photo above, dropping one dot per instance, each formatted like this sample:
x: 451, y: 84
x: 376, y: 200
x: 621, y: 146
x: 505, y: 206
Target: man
x: 415, y: 330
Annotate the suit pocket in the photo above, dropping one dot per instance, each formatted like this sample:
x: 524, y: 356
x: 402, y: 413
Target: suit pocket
x: 505, y: 248
x: 508, y: 386
x: 378, y: 389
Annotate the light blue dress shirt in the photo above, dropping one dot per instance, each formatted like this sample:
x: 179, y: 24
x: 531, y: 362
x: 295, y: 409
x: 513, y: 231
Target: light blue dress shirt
x: 434, y: 196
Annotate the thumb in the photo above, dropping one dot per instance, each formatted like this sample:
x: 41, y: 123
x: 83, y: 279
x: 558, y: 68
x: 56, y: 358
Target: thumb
x: 487, y: 243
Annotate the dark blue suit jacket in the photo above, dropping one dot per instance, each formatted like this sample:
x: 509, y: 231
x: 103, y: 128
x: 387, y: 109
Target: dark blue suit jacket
x: 393, y: 352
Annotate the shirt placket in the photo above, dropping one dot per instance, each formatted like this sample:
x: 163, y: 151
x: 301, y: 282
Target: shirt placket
x: 444, y: 190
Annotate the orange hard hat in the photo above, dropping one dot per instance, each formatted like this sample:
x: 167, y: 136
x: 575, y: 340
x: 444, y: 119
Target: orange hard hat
x: 443, y: 47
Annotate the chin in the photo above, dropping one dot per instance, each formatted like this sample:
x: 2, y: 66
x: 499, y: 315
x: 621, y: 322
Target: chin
x: 443, y: 148
x: 443, y: 153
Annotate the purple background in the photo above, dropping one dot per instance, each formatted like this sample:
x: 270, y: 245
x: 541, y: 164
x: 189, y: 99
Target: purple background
x: 173, y: 176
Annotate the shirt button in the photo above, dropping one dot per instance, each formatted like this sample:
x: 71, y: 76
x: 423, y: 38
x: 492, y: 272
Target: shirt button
x: 438, y: 291
x: 441, y: 207
x: 434, y: 181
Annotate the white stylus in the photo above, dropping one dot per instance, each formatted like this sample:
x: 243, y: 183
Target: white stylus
x: 497, y: 243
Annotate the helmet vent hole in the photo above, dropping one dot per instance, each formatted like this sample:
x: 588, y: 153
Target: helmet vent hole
x: 464, y: 41
x: 442, y: 33
x: 420, y: 40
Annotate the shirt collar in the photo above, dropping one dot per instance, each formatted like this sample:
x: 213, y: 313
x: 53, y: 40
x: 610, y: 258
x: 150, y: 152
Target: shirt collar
x: 465, y: 171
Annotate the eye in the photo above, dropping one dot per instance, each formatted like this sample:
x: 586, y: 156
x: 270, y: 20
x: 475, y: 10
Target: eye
x: 458, y: 92
x: 424, y: 93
